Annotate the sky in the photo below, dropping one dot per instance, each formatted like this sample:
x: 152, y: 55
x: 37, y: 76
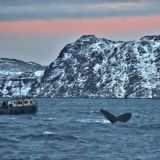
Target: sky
x: 37, y: 30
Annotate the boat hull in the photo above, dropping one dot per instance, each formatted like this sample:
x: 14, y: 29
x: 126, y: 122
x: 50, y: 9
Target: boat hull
x: 32, y: 109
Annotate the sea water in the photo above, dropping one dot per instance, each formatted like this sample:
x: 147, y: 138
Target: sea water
x: 74, y: 129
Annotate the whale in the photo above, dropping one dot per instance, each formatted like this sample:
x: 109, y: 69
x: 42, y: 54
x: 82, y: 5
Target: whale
x: 112, y: 118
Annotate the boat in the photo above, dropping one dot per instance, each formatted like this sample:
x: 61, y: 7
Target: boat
x: 18, y: 105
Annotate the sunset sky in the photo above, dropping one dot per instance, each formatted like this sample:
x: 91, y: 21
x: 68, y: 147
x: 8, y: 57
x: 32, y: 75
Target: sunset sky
x: 36, y: 30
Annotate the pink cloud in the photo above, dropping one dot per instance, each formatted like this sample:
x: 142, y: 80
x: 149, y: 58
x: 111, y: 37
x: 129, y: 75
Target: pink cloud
x: 84, y: 26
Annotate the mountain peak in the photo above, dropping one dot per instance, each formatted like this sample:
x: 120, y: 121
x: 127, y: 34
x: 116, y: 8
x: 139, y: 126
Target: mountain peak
x: 84, y: 37
x: 88, y: 38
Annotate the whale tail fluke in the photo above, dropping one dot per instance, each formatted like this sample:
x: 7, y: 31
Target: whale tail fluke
x: 122, y: 118
x: 109, y: 116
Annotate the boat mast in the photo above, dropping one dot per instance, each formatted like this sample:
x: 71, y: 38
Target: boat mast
x: 20, y: 86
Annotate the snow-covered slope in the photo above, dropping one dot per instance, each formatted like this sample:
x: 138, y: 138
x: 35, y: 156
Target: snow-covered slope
x: 14, y: 66
x: 96, y: 67
x: 11, y: 69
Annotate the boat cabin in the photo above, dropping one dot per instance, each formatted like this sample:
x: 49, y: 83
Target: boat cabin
x: 20, y: 102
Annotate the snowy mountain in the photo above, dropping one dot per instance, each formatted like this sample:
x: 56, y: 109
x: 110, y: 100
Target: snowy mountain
x: 11, y: 69
x: 96, y: 67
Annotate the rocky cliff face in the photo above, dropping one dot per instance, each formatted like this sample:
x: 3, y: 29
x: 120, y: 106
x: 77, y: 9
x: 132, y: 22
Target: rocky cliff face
x: 96, y: 67
x: 11, y: 69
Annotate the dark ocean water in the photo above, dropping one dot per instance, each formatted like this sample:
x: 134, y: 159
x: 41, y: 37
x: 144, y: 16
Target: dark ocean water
x: 74, y: 129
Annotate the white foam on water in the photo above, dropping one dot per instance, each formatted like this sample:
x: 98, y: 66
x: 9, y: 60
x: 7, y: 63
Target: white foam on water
x: 50, y: 118
x: 88, y: 120
x: 48, y: 133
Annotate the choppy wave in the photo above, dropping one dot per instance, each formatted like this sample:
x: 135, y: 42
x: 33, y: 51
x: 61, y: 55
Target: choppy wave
x: 149, y: 127
x: 66, y: 131
x: 49, y: 136
x: 8, y: 140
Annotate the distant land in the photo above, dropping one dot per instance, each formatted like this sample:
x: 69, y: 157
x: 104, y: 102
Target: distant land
x: 90, y: 67
x: 11, y: 69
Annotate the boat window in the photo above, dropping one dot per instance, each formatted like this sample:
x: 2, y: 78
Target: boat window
x: 25, y: 102
x: 19, y: 102
x: 30, y: 102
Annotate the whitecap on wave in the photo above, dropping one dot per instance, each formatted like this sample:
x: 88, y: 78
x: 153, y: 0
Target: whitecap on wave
x: 48, y: 133
x: 87, y: 120
x: 50, y: 118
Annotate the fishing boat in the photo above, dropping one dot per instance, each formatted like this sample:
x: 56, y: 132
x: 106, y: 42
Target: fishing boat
x: 18, y: 105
